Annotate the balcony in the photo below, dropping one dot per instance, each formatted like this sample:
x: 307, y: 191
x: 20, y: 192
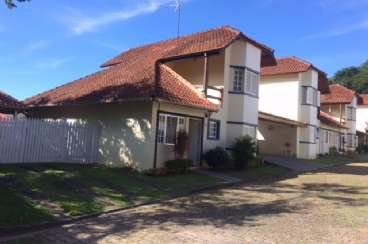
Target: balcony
x: 214, y: 93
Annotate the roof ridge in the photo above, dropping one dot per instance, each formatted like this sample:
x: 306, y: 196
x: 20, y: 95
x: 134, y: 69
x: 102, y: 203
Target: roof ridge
x: 228, y: 27
x: 297, y: 59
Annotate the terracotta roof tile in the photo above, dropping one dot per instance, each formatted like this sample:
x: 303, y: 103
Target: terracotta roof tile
x: 338, y: 94
x: 8, y: 102
x: 329, y: 120
x: 133, y: 74
x: 279, y: 119
x: 363, y: 99
x: 292, y: 65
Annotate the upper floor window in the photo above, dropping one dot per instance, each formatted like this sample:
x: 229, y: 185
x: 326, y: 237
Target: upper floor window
x: 238, y: 79
x: 350, y: 113
x: 245, y: 80
x: 252, y: 83
x: 310, y: 96
x: 168, y: 128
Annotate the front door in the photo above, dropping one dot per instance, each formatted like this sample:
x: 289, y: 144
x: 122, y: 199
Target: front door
x: 195, y: 140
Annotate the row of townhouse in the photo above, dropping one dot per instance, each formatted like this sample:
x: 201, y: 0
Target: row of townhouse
x: 217, y: 85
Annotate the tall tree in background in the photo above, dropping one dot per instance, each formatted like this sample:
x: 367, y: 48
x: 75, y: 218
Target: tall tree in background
x: 355, y: 78
x: 11, y: 4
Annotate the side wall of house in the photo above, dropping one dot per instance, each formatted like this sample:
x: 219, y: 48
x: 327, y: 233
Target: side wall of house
x: 242, y: 108
x: 279, y: 95
x: 278, y: 139
x: 362, y: 118
x: 126, y: 136
x: 307, y: 136
x: 329, y: 137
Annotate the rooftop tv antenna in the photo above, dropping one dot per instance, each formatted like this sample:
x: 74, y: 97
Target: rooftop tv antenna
x: 178, y: 5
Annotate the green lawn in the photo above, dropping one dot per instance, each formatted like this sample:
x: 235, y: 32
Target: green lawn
x: 43, y: 192
x: 335, y: 160
x: 264, y: 171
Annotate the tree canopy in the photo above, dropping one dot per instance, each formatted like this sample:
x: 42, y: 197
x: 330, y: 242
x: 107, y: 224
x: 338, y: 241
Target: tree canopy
x: 355, y: 78
x: 11, y: 4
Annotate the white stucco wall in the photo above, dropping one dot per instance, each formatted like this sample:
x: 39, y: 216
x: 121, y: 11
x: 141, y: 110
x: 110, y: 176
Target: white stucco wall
x: 362, y: 117
x: 276, y: 138
x: 242, y: 109
x: 279, y: 95
x: 126, y: 137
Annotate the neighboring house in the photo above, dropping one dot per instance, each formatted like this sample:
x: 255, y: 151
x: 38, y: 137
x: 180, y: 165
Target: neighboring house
x: 9, y: 106
x: 330, y: 134
x: 362, y: 120
x: 341, y: 104
x: 291, y: 90
x: 205, y: 83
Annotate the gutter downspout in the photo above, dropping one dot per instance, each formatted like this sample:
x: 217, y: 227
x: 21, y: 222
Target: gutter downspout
x: 155, y: 94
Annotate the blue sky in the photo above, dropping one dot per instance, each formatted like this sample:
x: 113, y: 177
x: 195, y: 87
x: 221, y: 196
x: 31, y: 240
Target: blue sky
x: 46, y: 43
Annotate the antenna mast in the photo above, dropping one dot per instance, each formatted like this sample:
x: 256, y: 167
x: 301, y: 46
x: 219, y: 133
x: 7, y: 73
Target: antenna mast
x: 178, y: 6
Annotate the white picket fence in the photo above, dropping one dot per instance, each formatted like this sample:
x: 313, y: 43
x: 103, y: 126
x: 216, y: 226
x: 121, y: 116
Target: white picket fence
x: 39, y: 141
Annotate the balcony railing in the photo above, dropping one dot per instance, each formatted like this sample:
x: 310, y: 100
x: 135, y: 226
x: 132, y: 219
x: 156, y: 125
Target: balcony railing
x: 213, y: 94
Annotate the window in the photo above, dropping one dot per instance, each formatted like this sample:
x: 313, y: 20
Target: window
x: 327, y: 137
x: 238, y: 79
x: 213, y: 132
x: 350, y: 140
x: 310, y: 96
x: 350, y: 113
x: 252, y: 83
x: 168, y: 128
x: 316, y: 133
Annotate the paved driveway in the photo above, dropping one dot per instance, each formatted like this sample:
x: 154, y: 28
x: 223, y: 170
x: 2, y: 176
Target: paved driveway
x: 295, y: 164
x: 330, y: 206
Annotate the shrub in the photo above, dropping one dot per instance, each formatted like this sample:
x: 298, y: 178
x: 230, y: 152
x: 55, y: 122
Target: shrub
x: 217, y: 158
x: 181, y: 144
x: 178, y: 166
x: 243, y: 150
x: 333, y: 151
x: 362, y: 149
x: 256, y: 162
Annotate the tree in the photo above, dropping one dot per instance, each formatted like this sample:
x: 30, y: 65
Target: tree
x: 355, y: 78
x: 11, y: 4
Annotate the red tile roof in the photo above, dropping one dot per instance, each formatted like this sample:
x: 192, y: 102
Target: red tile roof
x: 292, y: 65
x: 363, y: 99
x: 329, y: 120
x: 279, y: 119
x: 138, y: 73
x: 338, y: 94
x: 4, y: 117
x: 8, y: 102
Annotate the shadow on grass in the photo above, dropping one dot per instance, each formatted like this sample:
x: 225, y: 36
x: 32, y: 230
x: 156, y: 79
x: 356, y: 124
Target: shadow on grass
x: 244, y: 206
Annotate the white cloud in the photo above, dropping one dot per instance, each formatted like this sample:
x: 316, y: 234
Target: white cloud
x: 34, y: 46
x: 79, y: 23
x: 52, y: 63
x: 341, y: 31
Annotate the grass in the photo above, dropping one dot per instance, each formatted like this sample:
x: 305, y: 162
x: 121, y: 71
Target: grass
x: 17, y: 209
x: 335, y: 160
x: 44, y: 191
x: 263, y: 171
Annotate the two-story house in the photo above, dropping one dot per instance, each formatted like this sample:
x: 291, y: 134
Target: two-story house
x: 341, y: 103
x: 205, y: 84
x: 289, y: 107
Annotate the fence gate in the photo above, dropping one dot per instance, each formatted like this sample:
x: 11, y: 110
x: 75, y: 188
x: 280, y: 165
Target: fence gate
x: 33, y: 141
